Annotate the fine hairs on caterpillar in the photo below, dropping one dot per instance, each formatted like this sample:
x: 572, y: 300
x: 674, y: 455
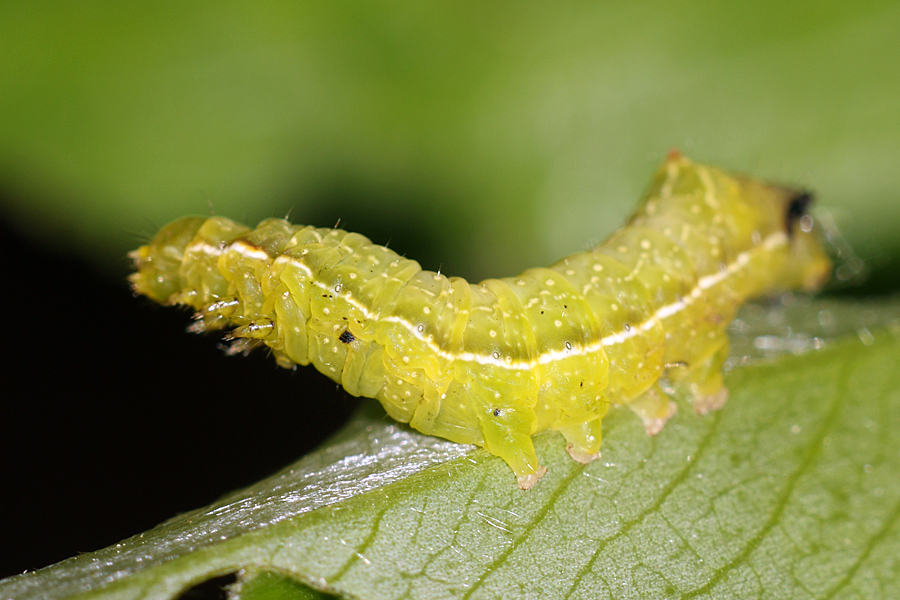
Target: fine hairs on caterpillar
x: 495, y: 362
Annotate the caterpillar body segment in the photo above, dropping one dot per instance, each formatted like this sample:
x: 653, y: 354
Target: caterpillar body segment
x: 495, y: 362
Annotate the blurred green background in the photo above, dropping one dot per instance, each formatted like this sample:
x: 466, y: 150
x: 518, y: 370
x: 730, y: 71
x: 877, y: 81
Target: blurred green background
x: 479, y: 138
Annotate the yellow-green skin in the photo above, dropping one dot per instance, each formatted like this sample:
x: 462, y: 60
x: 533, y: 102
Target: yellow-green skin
x: 493, y: 363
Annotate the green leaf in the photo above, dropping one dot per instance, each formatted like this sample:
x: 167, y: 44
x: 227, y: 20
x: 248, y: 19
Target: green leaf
x: 790, y: 491
x: 262, y: 584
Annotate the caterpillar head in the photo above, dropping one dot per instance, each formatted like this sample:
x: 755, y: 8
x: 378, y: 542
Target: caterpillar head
x: 158, y: 263
x: 180, y: 264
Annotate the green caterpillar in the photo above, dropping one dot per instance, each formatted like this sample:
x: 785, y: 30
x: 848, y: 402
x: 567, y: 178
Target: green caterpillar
x: 493, y: 363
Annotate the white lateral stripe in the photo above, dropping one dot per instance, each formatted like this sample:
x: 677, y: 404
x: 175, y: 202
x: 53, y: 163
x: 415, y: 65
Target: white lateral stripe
x: 771, y: 242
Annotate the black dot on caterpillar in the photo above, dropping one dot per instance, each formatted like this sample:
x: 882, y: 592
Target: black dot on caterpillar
x: 493, y: 363
x: 796, y: 210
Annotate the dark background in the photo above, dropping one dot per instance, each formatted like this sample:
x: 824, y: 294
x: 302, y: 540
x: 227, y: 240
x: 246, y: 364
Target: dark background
x: 114, y: 419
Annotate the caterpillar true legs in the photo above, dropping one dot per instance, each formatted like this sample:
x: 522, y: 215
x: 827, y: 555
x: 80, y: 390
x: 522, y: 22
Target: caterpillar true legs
x: 495, y: 362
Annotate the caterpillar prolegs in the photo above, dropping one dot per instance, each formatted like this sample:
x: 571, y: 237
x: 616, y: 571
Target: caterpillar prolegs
x: 493, y: 363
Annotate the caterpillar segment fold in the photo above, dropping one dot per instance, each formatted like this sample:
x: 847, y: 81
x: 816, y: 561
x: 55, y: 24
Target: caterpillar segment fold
x: 493, y: 363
